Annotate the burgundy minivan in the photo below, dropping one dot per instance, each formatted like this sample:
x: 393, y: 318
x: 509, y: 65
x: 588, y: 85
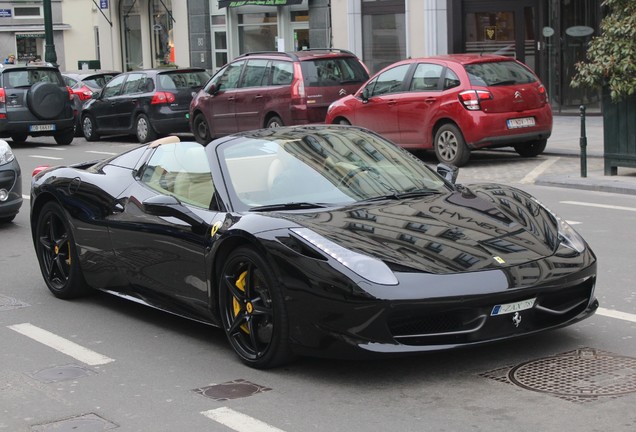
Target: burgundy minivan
x: 271, y: 89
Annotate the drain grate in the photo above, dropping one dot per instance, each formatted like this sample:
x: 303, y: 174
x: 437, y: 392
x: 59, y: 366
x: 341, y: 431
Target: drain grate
x: 61, y: 373
x: 9, y: 303
x: 84, y: 423
x: 583, y: 375
x: 231, y: 390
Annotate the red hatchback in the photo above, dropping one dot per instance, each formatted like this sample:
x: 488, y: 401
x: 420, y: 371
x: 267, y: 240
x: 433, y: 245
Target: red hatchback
x: 453, y: 104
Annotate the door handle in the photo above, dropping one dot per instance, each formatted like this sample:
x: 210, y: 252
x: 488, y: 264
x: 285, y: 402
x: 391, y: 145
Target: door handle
x: 391, y: 103
x: 258, y: 97
x: 231, y: 98
x: 430, y: 100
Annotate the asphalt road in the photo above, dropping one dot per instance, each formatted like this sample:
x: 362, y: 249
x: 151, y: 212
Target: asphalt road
x: 101, y: 363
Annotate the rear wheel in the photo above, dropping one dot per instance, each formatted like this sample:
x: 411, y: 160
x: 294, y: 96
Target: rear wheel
x: 450, y: 146
x: 57, y: 253
x: 19, y: 138
x: 252, y: 310
x: 65, y: 137
x: 144, y: 131
x: 201, y: 129
x: 344, y: 122
x: 89, y: 128
x: 274, y: 122
x: 531, y: 149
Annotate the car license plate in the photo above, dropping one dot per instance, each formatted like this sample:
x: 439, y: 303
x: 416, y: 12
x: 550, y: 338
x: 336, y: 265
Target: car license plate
x: 42, y: 128
x: 520, y: 122
x: 507, y: 308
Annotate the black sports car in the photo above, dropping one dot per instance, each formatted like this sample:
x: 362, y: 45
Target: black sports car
x: 314, y: 240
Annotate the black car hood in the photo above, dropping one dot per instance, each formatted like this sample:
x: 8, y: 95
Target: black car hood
x: 483, y: 227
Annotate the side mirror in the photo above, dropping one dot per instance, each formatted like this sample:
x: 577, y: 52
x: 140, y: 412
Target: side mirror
x: 96, y: 94
x: 365, y: 95
x: 168, y: 205
x: 449, y: 172
x: 213, y: 89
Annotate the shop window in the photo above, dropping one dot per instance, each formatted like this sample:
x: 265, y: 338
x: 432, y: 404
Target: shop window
x: 27, y: 12
x: 383, y: 33
x: 257, y: 32
x: 29, y: 46
x: 162, y: 34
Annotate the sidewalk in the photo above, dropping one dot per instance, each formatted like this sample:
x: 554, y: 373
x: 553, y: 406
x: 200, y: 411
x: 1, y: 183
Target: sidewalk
x: 565, y: 140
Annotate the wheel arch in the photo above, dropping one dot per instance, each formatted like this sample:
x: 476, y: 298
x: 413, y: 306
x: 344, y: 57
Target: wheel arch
x: 36, y: 207
x: 270, y: 115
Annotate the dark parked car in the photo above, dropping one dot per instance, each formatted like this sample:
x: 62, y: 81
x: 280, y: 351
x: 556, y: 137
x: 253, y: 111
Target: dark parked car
x: 453, y: 104
x: 83, y: 84
x: 271, y: 89
x: 10, y: 184
x: 145, y: 103
x: 35, y: 101
x: 318, y: 240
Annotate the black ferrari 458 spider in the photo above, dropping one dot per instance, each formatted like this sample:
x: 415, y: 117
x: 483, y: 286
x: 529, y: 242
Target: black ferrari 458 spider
x: 313, y: 240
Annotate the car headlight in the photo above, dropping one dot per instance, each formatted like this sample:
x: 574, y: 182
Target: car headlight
x: 567, y: 235
x: 6, y: 155
x: 370, y: 268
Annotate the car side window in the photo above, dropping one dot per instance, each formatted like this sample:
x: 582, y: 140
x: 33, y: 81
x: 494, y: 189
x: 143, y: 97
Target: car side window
x: 426, y: 77
x: 228, y: 78
x: 450, y: 80
x: 390, y: 81
x: 136, y: 83
x: 282, y: 72
x: 182, y: 170
x: 255, y: 73
x: 114, y: 86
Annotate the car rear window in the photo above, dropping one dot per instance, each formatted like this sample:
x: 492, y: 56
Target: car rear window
x: 183, y: 80
x: 499, y: 73
x: 27, y: 77
x: 333, y: 71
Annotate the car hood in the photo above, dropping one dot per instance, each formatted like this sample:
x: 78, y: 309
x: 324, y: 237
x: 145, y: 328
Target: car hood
x: 472, y: 229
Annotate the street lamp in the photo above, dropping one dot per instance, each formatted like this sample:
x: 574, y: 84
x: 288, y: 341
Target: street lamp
x: 49, y: 47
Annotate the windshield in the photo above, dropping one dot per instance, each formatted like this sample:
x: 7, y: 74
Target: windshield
x: 319, y: 165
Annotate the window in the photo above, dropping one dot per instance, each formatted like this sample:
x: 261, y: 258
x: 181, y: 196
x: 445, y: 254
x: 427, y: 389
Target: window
x: 390, y: 81
x: 257, y: 32
x: 136, y: 83
x: 282, y: 73
x: 161, y: 25
x: 328, y: 72
x: 27, y: 12
x: 228, y: 77
x: 426, y: 77
x: 255, y: 73
x: 113, y: 87
x: 383, y: 33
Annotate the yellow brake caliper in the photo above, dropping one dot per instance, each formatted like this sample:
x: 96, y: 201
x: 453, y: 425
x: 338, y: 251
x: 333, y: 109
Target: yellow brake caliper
x: 240, y: 284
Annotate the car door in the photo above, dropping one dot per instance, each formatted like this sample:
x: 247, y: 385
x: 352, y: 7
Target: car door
x: 419, y: 104
x: 129, y: 101
x: 218, y: 100
x: 164, y: 256
x: 380, y: 111
x: 252, y: 94
x: 103, y: 108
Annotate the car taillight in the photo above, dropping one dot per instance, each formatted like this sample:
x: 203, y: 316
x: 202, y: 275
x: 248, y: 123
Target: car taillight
x: 70, y: 93
x: 162, y: 98
x: 297, y: 86
x: 543, y: 93
x: 83, y: 93
x: 38, y: 170
x: 471, y: 99
x: 3, y: 97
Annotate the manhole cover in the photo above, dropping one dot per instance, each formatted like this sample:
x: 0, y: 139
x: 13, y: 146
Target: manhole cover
x: 231, y: 390
x: 84, y: 423
x: 9, y: 303
x: 61, y: 373
x: 582, y: 375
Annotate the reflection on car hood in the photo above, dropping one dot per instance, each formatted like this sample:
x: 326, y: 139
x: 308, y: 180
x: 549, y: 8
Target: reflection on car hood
x: 487, y: 226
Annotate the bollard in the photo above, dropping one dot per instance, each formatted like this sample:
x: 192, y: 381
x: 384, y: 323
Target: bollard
x: 583, y: 143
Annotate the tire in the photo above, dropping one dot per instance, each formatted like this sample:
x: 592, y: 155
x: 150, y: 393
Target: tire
x: 343, y: 122
x: 143, y: 129
x: 252, y: 310
x: 89, y: 128
x: 77, y: 128
x: 7, y: 219
x: 450, y: 146
x: 274, y: 122
x: 64, y: 137
x: 19, y: 138
x: 531, y: 149
x: 201, y: 129
x: 57, y: 254
x: 47, y: 100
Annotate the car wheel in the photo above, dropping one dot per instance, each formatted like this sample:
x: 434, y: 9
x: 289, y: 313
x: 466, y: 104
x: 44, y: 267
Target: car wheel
x: 252, y: 310
x: 201, y: 130
x: 88, y: 128
x: 274, y: 122
x: 531, y: 149
x: 344, y: 122
x: 57, y: 253
x: 77, y: 128
x: 7, y: 219
x: 65, y: 137
x: 450, y: 146
x: 144, y: 131
x: 19, y: 138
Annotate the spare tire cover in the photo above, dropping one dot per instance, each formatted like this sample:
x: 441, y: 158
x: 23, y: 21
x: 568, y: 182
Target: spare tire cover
x: 47, y: 100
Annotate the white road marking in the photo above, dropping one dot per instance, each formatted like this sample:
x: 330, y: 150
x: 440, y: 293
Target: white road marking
x: 616, y: 314
x: 52, y: 148
x: 65, y: 346
x: 573, y: 222
x: 238, y: 421
x: 532, y: 175
x: 45, y: 157
x: 607, y: 206
x: 102, y: 152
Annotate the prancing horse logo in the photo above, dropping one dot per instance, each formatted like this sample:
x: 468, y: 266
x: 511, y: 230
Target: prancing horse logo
x: 516, y: 319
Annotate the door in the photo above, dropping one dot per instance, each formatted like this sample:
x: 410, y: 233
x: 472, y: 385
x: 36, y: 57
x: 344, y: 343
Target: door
x: 103, y: 109
x: 252, y: 94
x: 218, y: 103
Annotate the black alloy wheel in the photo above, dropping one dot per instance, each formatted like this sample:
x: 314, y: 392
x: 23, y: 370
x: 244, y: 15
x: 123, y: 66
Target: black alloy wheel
x: 252, y: 310
x: 144, y: 130
x: 57, y: 254
x: 201, y: 129
x: 531, y: 149
x: 89, y: 128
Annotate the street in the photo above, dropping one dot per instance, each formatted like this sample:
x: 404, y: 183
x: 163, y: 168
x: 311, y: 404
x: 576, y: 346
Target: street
x: 102, y: 363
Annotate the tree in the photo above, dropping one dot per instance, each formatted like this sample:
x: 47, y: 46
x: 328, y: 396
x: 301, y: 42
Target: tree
x: 611, y: 56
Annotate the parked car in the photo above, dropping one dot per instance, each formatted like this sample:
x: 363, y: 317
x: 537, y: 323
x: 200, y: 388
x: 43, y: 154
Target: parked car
x: 10, y: 184
x: 314, y: 240
x: 453, y: 104
x: 35, y: 101
x: 271, y: 89
x: 83, y: 84
x: 145, y: 103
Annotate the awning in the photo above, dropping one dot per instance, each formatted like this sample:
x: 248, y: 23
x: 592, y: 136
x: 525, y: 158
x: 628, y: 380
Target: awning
x: 238, y: 3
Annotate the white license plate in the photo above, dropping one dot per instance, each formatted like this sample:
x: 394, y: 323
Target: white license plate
x: 42, y: 128
x: 507, y: 308
x: 520, y: 122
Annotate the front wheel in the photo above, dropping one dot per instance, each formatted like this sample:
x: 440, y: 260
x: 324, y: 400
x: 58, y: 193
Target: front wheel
x: 89, y: 128
x: 450, y: 146
x: 144, y: 131
x: 201, y: 129
x: 531, y: 149
x: 57, y: 253
x: 274, y: 122
x: 252, y: 310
